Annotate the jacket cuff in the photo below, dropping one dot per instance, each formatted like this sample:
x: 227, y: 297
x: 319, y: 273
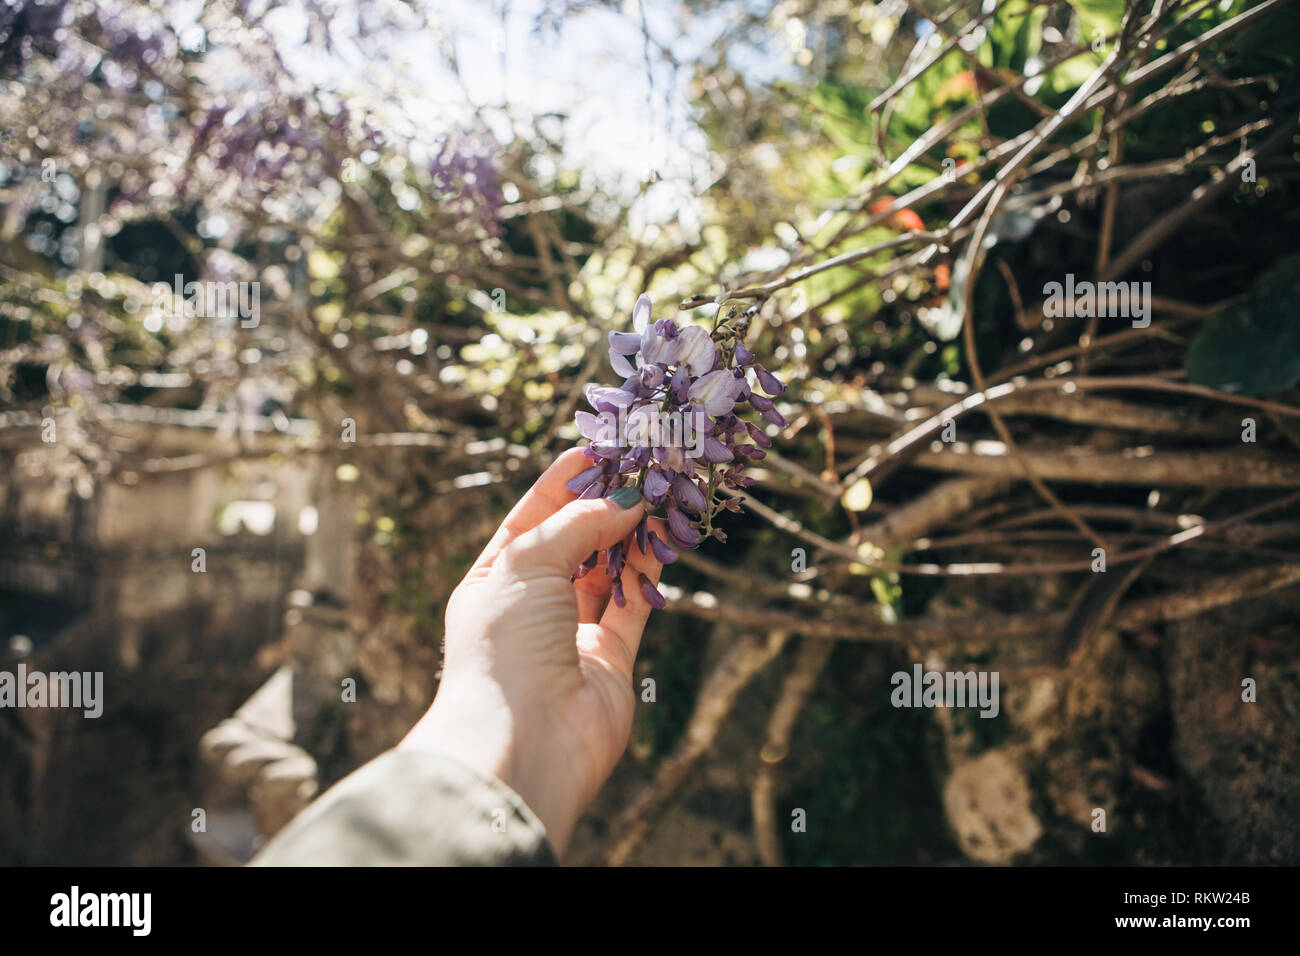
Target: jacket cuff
x: 411, y: 808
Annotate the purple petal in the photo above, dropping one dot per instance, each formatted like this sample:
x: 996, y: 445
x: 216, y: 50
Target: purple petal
x: 583, y: 479
x: 621, y: 365
x: 616, y: 559
x: 660, y: 343
x: 680, y: 530
x: 595, y: 490
x: 642, y: 535
x: 767, y: 410
x: 604, y: 398
x: 624, y: 343
x: 768, y: 382
x: 680, y: 384
x: 743, y: 355
x: 587, y: 566
x: 697, y: 352
x: 652, y: 376
x: 656, y: 484
x: 616, y: 592
x: 715, y: 452
x: 674, y: 459
x: 602, y: 428
x: 758, y: 435
x: 662, y: 552
x: 641, y: 313
x: 715, y: 392
x: 688, y: 494
x: 651, y: 593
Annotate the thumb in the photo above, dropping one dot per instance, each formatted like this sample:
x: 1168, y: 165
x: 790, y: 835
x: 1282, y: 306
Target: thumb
x: 565, y: 539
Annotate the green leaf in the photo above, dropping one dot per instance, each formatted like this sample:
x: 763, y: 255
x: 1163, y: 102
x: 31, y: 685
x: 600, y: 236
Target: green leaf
x: 1255, y: 348
x: 1103, y: 15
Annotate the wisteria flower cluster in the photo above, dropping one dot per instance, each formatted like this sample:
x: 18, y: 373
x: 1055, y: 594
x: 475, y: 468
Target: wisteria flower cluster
x: 672, y: 430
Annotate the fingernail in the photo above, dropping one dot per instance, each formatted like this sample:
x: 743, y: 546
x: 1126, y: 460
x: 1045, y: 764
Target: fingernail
x: 626, y: 497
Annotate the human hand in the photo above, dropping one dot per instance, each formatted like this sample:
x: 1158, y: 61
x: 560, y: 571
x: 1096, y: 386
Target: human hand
x: 537, y: 682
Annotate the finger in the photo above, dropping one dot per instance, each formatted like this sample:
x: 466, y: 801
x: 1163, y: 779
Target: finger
x: 561, y: 542
x: 593, y: 591
x: 594, y: 588
x: 547, y: 496
x: 622, y: 626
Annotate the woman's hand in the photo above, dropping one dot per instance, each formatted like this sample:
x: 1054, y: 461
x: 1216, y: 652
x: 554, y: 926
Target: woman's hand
x: 537, y: 682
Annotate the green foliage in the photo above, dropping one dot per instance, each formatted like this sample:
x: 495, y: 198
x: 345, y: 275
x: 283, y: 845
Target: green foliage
x: 1103, y: 15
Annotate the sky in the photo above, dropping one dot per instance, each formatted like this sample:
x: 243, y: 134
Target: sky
x: 629, y: 116
x: 628, y: 120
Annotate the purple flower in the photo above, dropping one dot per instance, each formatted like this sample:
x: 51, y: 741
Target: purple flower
x: 641, y: 313
x: 656, y: 485
x: 651, y: 376
x: 715, y: 452
x: 767, y: 381
x: 606, y: 399
x: 673, y: 428
x: 662, y: 552
x: 716, y: 392
x: 595, y: 490
x: 620, y: 364
x: 696, y: 353
x: 688, y: 494
x: 681, y: 530
x: 680, y: 383
x: 650, y: 592
x: 767, y: 409
x: 615, y: 561
x: 597, y: 428
x: 587, y: 566
x: 584, y: 479
x: 625, y: 343
x: 759, y: 436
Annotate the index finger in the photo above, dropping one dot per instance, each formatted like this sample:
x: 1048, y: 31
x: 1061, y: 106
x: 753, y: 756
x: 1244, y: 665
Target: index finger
x: 547, y: 496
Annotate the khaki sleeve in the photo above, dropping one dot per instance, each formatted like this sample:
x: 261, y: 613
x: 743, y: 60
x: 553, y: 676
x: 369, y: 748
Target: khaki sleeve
x: 412, y: 809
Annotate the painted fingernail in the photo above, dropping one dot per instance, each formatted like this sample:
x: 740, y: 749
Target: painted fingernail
x: 626, y: 497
